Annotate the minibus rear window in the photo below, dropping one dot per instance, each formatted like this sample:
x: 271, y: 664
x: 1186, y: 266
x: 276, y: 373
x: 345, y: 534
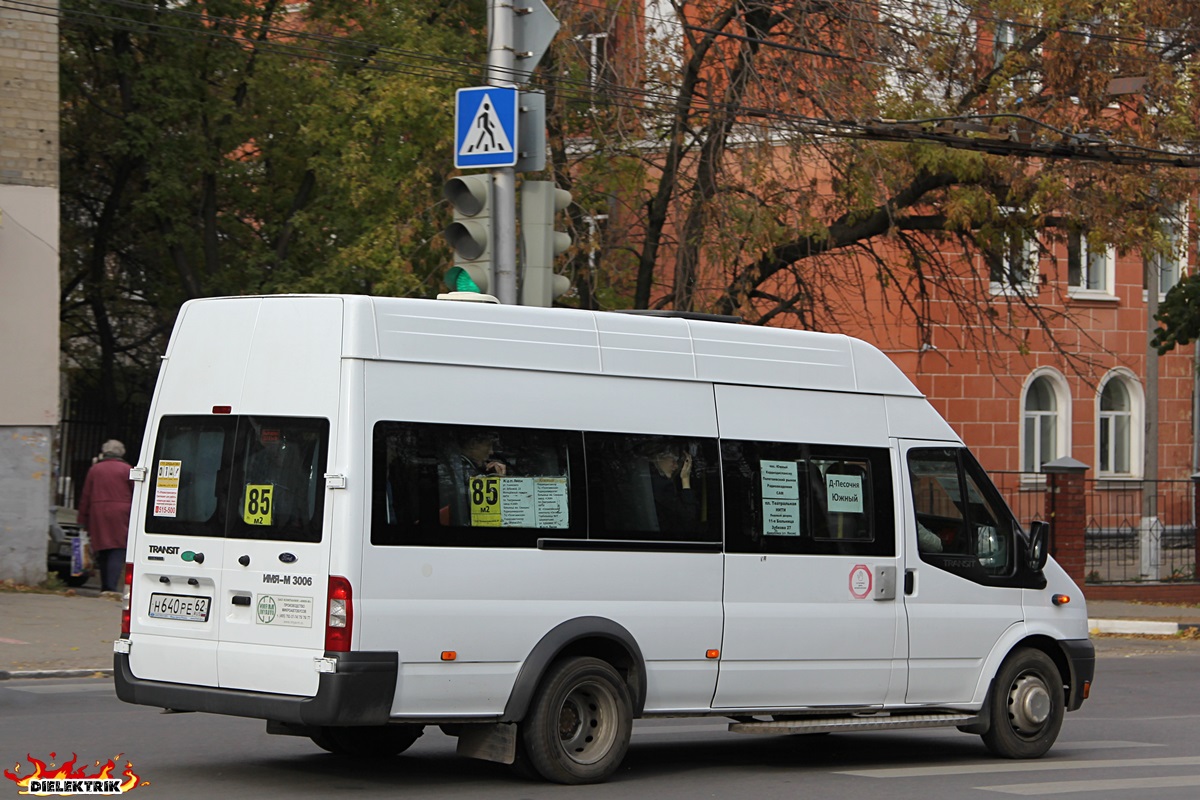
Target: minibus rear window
x: 243, y: 477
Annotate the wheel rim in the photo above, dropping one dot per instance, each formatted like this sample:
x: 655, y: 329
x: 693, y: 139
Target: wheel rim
x: 1029, y: 704
x: 587, y: 722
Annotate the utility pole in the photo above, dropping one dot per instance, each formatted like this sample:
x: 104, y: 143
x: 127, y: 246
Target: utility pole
x: 500, y: 63
x: 1150, y: 544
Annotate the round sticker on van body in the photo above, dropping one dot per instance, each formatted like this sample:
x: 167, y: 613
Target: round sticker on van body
x: 286, y: 612
x: 860, y: 581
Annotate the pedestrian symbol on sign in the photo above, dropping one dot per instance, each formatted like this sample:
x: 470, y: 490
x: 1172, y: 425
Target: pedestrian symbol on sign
x: 491, y: 138
x: 485, y: 122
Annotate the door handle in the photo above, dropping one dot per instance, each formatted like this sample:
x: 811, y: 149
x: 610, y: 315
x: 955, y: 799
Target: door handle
x: 241, y: 600
x: 910, y: 581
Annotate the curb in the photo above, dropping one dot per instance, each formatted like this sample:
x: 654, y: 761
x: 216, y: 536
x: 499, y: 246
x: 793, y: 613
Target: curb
x: 1139, y: 627
x: 16, y: 675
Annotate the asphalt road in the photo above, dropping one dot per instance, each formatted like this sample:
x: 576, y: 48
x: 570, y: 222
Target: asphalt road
x: 1138, y: 736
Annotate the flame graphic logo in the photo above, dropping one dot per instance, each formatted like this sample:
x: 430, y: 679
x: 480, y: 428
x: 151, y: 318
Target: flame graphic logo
x: 69, y: 771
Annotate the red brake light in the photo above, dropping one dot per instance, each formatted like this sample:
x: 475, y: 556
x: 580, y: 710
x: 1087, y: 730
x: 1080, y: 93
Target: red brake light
x: 126, y: 612
x: 222, y: 409
x: 339, y: 619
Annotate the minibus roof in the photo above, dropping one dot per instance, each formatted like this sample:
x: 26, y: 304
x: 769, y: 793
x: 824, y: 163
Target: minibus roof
x: 607, y: 343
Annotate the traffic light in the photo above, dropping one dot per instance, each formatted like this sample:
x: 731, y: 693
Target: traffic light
x: 470, y: 235
x: 540, y: 201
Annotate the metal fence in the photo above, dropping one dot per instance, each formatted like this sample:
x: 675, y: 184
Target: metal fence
x: 1025, y: 493
x: 81, y: 431
x: 1128, y: 541
x: 1124, y: 541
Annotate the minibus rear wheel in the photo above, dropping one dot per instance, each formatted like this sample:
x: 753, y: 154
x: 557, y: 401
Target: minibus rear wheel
x: 368, y: 741
x: 579, y: 724
x: 1028, y: 705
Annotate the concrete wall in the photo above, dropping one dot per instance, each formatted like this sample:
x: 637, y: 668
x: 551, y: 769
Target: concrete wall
x: 29, y: 95
x: 29, y: 286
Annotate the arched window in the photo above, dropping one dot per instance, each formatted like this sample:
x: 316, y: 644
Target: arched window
x: 1118, y: 426
x: 1044, y: 420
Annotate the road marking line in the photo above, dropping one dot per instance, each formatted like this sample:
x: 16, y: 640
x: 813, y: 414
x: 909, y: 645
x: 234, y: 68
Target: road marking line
x: 64, y: 688
x: 1022, y: 766
x: 11, y: 641
x: 1116, y: 784
x: 1101, y: 745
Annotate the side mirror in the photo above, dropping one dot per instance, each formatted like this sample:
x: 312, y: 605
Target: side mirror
x: 1039, y: 551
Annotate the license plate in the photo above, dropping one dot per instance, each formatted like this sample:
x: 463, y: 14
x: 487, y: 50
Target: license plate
x: 186, y: 607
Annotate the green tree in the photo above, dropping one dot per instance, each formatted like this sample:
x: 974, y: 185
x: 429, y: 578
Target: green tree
x: 238, y: 147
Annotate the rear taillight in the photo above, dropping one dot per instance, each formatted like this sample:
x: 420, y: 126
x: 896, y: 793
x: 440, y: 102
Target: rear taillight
x: 339, y: 620
x: 126, y: 612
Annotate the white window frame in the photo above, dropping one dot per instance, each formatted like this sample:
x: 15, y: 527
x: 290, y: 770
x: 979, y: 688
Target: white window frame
x: 1004, y: 39
x: 1028, y: 286
x: 663, y: 54
x: 596, y: 225
x: 1097, y: 270
x: 1172, y: 268
x: 596, y: 45
x: 1136, y: 414
x: 1061, y: 414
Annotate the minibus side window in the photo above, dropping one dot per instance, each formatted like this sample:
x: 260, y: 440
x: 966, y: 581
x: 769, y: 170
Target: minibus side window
x: 190, y: 474
x: 474, y: 486
x: 808, y: 499
x: 644, y: 487
x: 959, y: 513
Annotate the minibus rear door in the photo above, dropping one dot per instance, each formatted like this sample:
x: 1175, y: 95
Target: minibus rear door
x: 275, y: 569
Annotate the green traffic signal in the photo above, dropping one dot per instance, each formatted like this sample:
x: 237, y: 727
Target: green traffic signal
x: 470, y: 278
x: 470, y: 234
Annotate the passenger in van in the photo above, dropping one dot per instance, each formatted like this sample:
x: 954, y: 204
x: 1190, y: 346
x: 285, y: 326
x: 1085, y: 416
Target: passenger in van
x: 676, y: 502
x: 927, y: 540
x: 475, y: 455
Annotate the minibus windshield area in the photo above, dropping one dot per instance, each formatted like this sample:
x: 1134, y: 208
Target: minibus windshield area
x: 958, y: 511
x: 242, y: 477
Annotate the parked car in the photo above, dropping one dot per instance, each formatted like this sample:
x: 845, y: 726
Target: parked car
x: 64, y: 530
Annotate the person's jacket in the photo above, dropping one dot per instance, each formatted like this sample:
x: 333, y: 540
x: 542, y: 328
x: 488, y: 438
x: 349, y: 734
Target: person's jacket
x: 104, y: 505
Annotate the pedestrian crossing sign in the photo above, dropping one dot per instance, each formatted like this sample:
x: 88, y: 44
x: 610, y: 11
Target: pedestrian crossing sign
x: 485, y: 124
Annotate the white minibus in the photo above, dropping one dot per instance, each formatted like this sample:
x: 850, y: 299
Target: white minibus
x: 356, y: 517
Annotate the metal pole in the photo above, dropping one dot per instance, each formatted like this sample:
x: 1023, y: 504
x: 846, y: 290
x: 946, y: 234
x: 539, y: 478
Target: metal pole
x: 500, y: 64
x: 1150, y: 528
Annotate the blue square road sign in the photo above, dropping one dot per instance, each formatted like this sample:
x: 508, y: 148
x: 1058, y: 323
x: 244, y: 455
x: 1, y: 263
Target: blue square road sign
x: 485, y: 127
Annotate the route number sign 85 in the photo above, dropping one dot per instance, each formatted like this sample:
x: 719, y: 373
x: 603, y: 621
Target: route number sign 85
x: 258, y: 507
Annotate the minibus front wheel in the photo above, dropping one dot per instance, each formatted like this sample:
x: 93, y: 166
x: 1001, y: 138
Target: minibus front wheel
x: 579, y: 725
x: 1027, y: 706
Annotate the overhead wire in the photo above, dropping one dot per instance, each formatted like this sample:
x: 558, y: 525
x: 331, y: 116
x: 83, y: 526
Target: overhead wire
x: 443, y: 68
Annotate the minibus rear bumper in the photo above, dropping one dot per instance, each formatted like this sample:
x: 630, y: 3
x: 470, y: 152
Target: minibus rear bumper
x: 1081, y: 655
x: 360, y: 692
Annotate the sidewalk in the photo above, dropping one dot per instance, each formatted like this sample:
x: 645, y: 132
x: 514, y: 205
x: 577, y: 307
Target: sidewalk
x: 49, y: 635
x: 54, y: 636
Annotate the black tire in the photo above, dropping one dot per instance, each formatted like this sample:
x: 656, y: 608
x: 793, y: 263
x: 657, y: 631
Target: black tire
x: 578, y: 727
x: 1027, y: 704
x: 369, y: 741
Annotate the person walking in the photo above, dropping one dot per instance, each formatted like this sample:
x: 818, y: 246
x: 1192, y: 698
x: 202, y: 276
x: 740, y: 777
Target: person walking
x: 104, y: 512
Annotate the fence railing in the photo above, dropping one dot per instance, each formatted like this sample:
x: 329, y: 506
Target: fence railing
x: 1129, y: 541
x: 1125, y: 540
